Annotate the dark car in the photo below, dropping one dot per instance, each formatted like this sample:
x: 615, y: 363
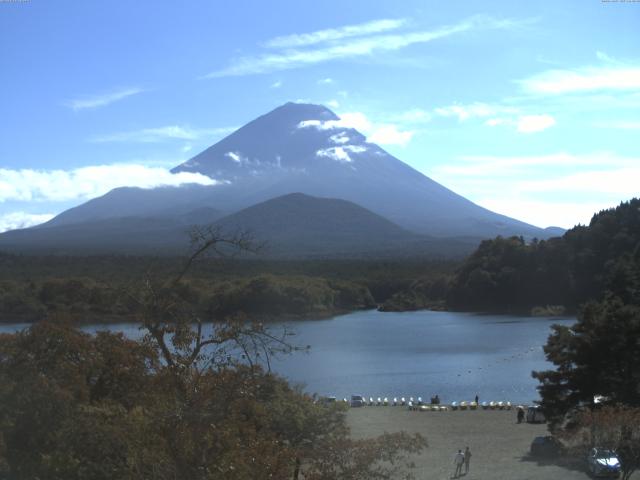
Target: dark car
x: 545, y: 447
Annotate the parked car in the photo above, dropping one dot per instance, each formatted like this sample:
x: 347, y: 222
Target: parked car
x: 535, y: 415
x: 545, y: 447
x: 328, y: 400
x: 602, y: 462
x: 357, y: 401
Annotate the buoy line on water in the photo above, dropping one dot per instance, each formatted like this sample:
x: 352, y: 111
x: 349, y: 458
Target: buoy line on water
x: 419, y: 405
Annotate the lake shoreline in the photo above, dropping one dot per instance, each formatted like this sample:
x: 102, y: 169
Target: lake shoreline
x: 500, y: 447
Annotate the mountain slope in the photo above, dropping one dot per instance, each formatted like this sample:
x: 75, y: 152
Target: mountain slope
x: 305, y: 148
x: 294, y: 148
x: 297, y: 224
x: 294, y: 225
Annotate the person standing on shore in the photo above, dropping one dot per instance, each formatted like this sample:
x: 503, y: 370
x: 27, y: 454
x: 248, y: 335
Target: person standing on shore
x: 458, y: 462
x: 520, y: 414
x: 477, y: 398
x: 467, y: 460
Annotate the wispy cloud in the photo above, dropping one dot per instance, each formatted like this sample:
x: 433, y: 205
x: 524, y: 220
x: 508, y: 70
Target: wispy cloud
x: 382, y: 133
x: 546, y: 189
x: 341, y: 153
x: 277, y: 84
x: 87, y: 182
x: 325, y: 81
x: 15, y: 220
x: 101, y: 100
x: 535, y: 123
x: 473, y: 110
x: 498, y: 115
x: 583, y: 80
x: 160, y: 134
x: 619, y: 125
x: 337, y: 48
x: 333, y: 34
x: 390, y: 135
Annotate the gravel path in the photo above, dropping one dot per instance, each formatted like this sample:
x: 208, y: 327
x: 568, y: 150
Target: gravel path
x: 499, y: 446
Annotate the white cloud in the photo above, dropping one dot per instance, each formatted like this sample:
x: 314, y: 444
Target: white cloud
x: 382, y: 133
x: 236, y: 157
x: 340, y: 138
x: 619, y: 125
x: 390, y: 135
x: 415, y: 115
x: 341, y: 154
x: 277, y: 84
x: 545, y: 213
x: 605, y: 58
x: 356, y: 120
x: 87, y: 182
x: 474, y: 110
x: 535, y: 123
x: 333, y: 103
x: 582, y: 80
x: 333, y: 34
x: 544, y: 190
x: 349, y: 48
x: 617, y: 181
x: 101, y: 100
x: 493, y: 122
x: 325, y: 81
x: 160, y: 134
x: 15, y: 220
x: 494, y: 166
x: 499, y: 115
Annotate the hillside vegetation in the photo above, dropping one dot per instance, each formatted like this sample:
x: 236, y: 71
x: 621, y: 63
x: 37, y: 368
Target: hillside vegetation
x: 511, y: 275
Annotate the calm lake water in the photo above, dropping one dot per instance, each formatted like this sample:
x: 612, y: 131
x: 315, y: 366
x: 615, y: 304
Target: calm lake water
x: 378, y: 354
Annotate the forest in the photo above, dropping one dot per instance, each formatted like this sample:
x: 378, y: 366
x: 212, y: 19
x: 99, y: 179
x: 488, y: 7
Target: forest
x: 504, y: 275
x: 90, y: 288
x: 512, y: 275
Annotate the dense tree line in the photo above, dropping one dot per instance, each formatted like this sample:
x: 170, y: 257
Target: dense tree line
x: 592, y: 396
x: 510, y: 274
x: 88, y: 289
x: 268, y: 296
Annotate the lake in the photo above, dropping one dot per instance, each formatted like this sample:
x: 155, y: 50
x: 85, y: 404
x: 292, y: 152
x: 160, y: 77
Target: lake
x: 378, y: 354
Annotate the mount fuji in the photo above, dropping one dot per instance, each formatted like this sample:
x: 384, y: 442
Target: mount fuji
x: 296, y: 148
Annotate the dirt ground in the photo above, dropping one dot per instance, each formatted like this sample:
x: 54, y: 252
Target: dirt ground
x: 499, y: 446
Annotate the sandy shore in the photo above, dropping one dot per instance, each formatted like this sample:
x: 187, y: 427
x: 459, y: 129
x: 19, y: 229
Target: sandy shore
x: 499, y: 446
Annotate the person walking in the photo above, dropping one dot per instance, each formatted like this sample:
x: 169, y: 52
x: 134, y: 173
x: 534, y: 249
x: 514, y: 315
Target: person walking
x: 467, y: 460
x: 458, y: 461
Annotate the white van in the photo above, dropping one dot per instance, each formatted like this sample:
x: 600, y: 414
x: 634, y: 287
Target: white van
x: 535, y: 415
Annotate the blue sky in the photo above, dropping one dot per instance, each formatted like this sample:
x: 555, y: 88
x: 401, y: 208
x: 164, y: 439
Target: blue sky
x: 531, y: 109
